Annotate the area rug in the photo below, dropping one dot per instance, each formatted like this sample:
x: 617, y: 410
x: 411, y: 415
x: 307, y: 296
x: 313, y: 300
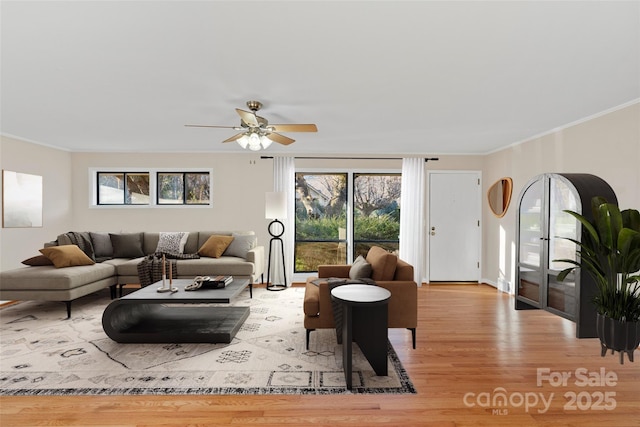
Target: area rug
x: 43, y: 353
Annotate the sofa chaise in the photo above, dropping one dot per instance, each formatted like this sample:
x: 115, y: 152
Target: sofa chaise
x: 115, y: 263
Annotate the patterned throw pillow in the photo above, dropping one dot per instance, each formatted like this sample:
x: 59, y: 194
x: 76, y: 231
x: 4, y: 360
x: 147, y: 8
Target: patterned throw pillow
x: 172, y: 243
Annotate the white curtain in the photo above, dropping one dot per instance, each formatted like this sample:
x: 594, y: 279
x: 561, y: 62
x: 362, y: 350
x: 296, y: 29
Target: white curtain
x: 412, y: 215
x: 284, y: 181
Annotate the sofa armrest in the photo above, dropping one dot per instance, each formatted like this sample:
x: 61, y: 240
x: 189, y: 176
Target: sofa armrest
x: 404, y: 271
x: 256, y: 256
x: 325, y: 271
x: 318, y: 300
x: 403, y: 304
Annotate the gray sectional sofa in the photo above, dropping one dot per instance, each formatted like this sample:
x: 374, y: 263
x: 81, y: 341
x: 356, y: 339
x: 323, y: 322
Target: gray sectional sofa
x: 115, y: 267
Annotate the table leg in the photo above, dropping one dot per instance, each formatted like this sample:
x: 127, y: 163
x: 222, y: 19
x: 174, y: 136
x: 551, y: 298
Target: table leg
x: 369, y: 329
x: 347, y: 343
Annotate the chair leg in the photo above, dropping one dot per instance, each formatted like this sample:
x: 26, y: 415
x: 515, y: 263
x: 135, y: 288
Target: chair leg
x: 250, y: 290
x: 309, y: 333
x: 68, y: 303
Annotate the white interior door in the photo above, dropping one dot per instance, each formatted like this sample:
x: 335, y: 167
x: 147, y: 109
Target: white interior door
x: 454, y: 226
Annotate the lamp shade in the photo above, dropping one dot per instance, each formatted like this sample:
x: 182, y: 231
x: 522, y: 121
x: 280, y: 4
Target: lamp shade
x: 243, y: 141
x: 275, y: 205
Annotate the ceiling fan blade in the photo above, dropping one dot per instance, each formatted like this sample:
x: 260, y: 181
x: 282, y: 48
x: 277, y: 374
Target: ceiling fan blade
x: 234, y: 137
x: 295, y: 128
x: 280, y: 139
x: 211, y: 126
x: 247, y: 117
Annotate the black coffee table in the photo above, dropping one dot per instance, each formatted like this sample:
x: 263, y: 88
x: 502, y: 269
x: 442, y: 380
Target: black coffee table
x: 149, y: 316
x: 365, y: 314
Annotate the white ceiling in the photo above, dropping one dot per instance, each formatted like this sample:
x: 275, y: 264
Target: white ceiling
x: 377, y: 77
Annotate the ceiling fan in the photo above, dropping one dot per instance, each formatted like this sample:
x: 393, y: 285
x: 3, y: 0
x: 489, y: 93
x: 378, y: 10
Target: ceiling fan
x: 257, y: 133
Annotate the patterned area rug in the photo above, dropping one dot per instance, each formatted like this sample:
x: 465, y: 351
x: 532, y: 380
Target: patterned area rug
x: 42, y: 353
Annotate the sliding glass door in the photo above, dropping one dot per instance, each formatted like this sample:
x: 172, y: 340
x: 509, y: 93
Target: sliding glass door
x: 340, y: 215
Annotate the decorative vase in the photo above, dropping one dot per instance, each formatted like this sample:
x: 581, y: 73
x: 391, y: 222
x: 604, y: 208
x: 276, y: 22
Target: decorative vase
x: 618, y: 336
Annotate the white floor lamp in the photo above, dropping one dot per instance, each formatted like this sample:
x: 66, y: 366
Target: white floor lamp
x: 276, y: 207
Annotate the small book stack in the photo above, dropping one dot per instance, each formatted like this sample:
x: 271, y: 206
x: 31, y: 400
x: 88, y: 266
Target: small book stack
x: 217, y: 282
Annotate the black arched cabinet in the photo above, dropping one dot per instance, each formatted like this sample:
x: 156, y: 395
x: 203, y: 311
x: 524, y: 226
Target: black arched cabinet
x: 540, y: 227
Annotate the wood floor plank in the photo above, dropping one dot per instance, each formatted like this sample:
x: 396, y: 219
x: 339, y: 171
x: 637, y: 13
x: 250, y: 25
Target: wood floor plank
x: 472, y: 349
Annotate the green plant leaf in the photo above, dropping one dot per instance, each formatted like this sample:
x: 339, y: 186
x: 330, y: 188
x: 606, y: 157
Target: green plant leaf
x: 631, y: 219
x: 585, y: 224
x: 608, y: 224
x: 609, y: 249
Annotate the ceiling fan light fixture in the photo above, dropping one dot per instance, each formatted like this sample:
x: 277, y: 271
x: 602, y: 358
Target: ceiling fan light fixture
x: 255, y: 131
x: 265, y: 142
x: 243, y: 141
x: 254, y: 142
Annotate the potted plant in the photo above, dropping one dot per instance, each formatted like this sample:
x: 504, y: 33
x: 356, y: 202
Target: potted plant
x: 610, y: 253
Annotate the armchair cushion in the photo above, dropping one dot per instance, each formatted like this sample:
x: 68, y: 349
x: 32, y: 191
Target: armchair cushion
x: 383, y: 263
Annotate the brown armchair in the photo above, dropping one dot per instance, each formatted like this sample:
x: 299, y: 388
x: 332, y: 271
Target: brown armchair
x: 388, y: 271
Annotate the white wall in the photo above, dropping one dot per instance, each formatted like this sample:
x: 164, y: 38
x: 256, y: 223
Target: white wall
x: 17, y: 244
x: 607, y: 146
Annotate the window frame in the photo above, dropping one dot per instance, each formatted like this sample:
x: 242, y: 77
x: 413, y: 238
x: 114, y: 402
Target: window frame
x: 184, y: 174
x: 350, y: 206
x: 153, y: 187
x: 124, y: 175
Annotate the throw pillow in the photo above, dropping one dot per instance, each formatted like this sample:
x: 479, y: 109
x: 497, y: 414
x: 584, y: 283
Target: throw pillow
x: 215, y: 246
x: 82, y: 239
x: 66, y: 256
x: 241, y: 244
x: 360, y: 269
x: 37, y: 260
x: 172, y: 243
x: 102, y: 246
x: 127, y: 245
x: 383, y: 263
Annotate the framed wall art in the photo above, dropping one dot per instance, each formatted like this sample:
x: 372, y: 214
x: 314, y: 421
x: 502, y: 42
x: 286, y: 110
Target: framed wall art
x: 21, y: 200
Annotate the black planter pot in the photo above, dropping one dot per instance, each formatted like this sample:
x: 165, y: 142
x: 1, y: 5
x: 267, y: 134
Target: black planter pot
x: 618, y: 336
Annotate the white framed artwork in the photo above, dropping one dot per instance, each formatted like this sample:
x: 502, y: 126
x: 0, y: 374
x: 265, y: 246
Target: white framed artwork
x: 21, y: 200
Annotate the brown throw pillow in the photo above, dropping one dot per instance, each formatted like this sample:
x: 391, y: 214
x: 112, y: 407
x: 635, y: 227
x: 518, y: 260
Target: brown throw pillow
x: 215, y: 246
x: 66, y: 256
x: 383, y: 263
x: 37, y: 260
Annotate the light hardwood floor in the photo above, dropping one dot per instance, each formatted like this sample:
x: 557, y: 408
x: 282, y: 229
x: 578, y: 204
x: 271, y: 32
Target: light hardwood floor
x: 472, y: 346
